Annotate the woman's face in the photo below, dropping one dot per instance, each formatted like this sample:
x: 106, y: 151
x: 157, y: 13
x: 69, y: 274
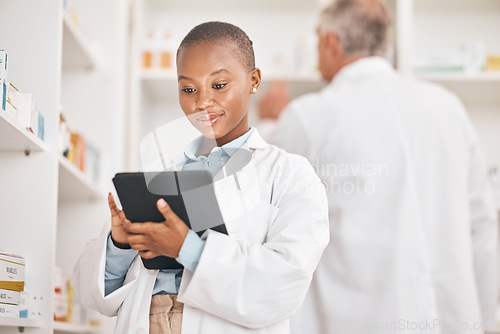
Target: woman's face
x: 215, y: 89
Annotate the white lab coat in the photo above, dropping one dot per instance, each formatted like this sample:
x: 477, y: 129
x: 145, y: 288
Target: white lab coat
x: 248, y: 282
x: 413, y: 230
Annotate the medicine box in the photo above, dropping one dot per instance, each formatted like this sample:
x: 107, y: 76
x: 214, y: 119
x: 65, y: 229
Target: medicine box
x: 10, y: 297
x: 11, y: 272
x: 7, y: 310
x: 25, y: 110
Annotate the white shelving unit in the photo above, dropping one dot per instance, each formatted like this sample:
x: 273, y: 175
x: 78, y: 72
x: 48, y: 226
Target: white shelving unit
x: 13, y: 137
x: 49, y: 208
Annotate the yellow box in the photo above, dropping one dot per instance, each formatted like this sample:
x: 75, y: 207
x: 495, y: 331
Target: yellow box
x: 11, y: 272
x: 493, y: 63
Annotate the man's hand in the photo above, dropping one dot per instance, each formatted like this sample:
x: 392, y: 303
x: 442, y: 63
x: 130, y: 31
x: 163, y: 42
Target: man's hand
x: 118, y: 233
x: 274, y: 101
x: 153, y: 239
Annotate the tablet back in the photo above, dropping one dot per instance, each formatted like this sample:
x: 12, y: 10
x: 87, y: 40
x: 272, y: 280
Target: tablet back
x: 139, y: 192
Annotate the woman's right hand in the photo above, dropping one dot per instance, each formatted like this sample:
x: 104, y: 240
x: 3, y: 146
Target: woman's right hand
x: 118, y: 232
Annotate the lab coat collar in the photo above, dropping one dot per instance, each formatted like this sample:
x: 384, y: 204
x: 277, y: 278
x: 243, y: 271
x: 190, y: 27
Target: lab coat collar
x: 363, y: 67
x: 255, y: 141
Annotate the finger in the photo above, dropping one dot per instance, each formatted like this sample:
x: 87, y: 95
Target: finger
x: 138, y: 228
x: 128, y: 225
x: 147, y: 254
x: 139, y: 247
x: 136, y: 239
x: 165, y: 210
x: 114, y: 208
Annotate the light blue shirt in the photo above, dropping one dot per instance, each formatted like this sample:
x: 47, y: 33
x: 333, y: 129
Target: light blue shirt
x: 118, y: 260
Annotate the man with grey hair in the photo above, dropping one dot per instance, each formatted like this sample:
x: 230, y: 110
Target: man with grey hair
x: 413, y: 226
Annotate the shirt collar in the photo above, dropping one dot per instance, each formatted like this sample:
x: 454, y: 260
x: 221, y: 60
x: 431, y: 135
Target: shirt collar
x: 229, y: 148
x: 363, y: 67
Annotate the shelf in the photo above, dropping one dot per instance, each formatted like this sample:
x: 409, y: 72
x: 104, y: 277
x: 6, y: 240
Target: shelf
x: 65, y: 327
x: 76, y: 50
x: 13, y: 137
x: 492, y: 76
x: 74, y: 184
x: 19, y: 322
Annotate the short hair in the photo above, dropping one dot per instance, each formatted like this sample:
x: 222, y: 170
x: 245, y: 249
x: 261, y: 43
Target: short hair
x: 360, y: 25
x: 215, y: 31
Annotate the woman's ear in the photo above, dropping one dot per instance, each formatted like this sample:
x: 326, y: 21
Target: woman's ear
x: 255, y: 79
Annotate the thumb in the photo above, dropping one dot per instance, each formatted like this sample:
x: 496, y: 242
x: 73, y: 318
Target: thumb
x: 165, y: 210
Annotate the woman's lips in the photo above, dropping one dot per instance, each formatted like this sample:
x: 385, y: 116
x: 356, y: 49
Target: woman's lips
x: 208, y: 119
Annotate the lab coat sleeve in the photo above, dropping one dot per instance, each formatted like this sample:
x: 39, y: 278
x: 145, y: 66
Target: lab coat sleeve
x: 255, y: 285
x: 484, y: 226
x: 88, y: 279
x: 288, y: 132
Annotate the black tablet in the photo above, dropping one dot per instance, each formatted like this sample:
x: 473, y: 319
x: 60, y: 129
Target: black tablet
x: 190, y: 194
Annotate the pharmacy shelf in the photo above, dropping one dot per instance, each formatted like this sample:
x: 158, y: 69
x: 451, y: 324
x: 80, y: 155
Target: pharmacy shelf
x: 77, y: 53
x: 492, y: 76
x: 74, y: 185
x: 66, y: 327
x: 14, y: 137
x: 19, y: 322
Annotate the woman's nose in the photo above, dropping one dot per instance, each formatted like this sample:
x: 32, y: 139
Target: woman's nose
x: 204, y: 101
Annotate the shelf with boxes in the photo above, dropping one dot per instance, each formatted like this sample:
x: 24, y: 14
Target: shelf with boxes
x: 13, y: 297
x: 438, y: 51
x: 22, y: 125
x: 79, y: 165
x: 46, y: 183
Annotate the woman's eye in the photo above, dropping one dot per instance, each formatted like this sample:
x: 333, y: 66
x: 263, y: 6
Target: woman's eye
x: 219, y: 86
x: 188, y: 90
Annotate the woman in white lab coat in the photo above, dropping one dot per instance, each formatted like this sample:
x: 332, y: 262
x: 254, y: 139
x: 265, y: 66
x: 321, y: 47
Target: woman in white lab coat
x: 254, y: 278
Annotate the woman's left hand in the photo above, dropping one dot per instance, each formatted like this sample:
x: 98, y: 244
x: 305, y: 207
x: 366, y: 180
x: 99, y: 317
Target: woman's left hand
x: 152, y: 239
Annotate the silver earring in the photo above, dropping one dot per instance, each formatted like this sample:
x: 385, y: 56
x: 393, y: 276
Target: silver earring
x: 254, y: 90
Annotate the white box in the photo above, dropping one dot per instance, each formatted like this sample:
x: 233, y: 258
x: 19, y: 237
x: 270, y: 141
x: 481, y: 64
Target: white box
x: 11, y: 272
x: 25, y: 109
x: 7, y: 310
x: 10, y: 297
x: 3, y: 65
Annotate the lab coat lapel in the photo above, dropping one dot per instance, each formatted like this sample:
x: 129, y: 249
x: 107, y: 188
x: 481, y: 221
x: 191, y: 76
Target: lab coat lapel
x: 237, y: 184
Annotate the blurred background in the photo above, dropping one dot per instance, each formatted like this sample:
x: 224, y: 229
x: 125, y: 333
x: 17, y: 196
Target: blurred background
x: 89, y: 79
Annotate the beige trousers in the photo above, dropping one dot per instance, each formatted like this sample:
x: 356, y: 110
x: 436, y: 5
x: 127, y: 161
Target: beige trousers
x: 165, y: 315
